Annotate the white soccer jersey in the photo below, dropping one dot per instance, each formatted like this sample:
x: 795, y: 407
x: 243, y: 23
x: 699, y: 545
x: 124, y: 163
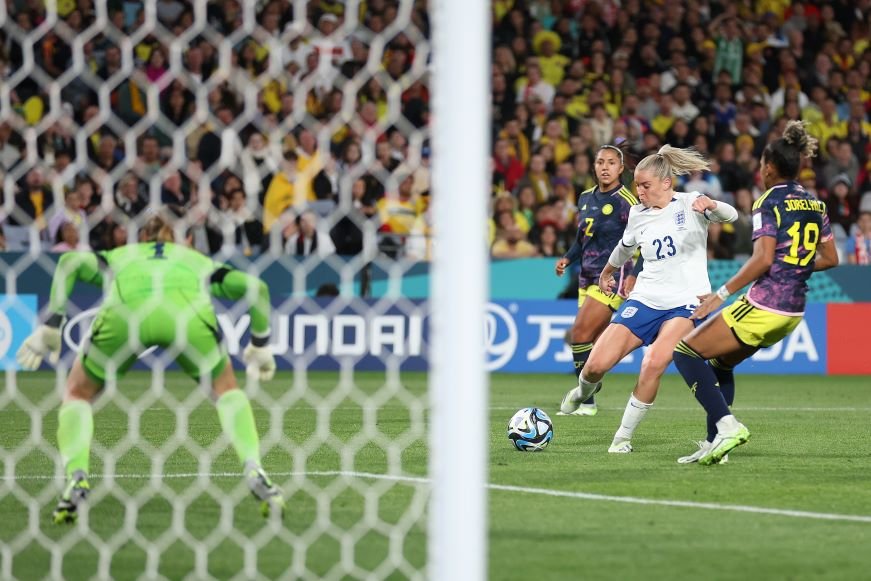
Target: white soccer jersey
x: 674, y: 244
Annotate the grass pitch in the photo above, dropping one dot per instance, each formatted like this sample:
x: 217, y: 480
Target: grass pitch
x: 810, y: 451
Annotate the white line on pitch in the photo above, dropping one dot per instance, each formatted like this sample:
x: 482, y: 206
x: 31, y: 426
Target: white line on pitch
x: 686, y: 504
x: 504, y: 488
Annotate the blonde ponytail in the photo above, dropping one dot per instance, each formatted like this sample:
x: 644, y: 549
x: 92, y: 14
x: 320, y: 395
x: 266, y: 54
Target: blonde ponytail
x: 673, y: 161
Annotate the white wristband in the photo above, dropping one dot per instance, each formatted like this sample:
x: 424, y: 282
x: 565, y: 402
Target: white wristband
x: 723, y: 293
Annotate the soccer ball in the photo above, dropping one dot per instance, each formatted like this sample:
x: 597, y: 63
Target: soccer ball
x: 530, y: 430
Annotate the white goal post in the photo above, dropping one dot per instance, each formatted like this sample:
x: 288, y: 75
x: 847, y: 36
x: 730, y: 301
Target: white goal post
x: 458, y: 380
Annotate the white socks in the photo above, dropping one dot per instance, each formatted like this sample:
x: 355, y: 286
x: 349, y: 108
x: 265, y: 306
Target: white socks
x: 727, y: 425
x: 635, y: 412
x: 587, y: 389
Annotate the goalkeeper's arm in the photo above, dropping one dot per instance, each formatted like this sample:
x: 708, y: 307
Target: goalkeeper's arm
x: 72, y: 266
x: 227, y: 283
x: 45, y: 341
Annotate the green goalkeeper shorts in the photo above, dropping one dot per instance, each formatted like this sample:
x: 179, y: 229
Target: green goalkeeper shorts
x: 122, y: 332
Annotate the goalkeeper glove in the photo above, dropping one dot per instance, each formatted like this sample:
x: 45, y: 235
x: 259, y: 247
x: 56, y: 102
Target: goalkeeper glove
x: 45, y: 341
x: 259, y: 362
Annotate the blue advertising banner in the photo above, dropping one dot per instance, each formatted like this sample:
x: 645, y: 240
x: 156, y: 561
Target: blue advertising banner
x: 311, y: 333
x: 529, y: 337
x: 17, y: 321
x: 519, y: 336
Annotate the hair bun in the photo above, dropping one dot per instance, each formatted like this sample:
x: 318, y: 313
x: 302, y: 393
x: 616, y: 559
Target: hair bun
x: 796, y: 134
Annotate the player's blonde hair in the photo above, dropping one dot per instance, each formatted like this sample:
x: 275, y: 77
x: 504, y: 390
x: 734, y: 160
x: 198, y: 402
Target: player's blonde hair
x: 673, y: 161
x: 157, y: 229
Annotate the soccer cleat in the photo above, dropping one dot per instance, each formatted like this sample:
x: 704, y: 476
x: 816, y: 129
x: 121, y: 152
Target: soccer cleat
x: 704, y: 446
x: 263, y: 489
x: 575, y: 398
x: 724, y: 442
x: 75, y: 493
x: 584, y: 409
x: 622, y: 447
x: 570, y: 402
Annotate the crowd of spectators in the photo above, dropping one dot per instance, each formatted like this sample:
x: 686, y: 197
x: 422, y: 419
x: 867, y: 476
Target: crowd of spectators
x: 724, y: 77
x: 309, y: 135
x: 265, y: 130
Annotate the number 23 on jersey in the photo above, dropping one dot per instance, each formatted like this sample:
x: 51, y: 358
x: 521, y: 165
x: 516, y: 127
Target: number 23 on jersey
x: 664, y: 247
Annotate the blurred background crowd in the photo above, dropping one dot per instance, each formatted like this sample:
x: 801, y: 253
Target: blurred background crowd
x: 316, y: 137
x: 724, y: 77
x: 258, y: 128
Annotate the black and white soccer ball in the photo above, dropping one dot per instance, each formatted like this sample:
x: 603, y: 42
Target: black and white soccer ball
x: 530, y: 430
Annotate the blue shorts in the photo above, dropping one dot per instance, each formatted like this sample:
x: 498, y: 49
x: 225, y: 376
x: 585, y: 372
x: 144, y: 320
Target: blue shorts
x: 645, y: 322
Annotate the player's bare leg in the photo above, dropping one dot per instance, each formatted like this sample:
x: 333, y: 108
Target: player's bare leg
x: 237, y: 421
x: 591, y: 320
x: 653, y: 365
x: 714, y: 338
x: 658, y: 356
x: 74, y: 434
x: 612, y: 346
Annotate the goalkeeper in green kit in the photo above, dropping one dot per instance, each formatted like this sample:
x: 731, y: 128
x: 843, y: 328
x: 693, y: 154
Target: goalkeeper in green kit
x: 157, y: 294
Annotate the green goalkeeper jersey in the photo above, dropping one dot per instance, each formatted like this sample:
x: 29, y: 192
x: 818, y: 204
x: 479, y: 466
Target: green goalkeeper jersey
x: 149, y: 271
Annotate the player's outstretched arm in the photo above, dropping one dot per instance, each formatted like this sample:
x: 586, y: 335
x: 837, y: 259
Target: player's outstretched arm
x: 619, y: 256
x: 631, y: 278
x: 45, y: 341
x: 606, y: 278
x: 227, y: 283
x: 71, y: 267
x: 572, y: 255
x: 756, y: 266
x: 827, y: 256
x: 715, y: 211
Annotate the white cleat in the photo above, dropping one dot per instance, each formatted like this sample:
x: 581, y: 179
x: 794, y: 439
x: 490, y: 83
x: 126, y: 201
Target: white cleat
x: 574, y: 401
x: 623, y: 447
x: 584, y: 409
x: 704, y: 447
x: 570, y: 402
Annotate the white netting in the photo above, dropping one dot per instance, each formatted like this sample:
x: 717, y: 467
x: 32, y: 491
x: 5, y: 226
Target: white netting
x: 259, y: 127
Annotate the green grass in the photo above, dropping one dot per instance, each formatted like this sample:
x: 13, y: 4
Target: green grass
x: 810, y: 451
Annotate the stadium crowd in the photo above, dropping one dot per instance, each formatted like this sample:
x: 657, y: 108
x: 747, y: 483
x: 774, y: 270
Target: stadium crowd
x: 305, y: 137
x: 327, y: 141
x: 725, y: 77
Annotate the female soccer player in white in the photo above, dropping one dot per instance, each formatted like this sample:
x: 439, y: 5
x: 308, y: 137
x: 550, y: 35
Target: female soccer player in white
x: 671, y: 228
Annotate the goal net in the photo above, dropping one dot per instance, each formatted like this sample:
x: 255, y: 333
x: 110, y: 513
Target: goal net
x: 286, y: 139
